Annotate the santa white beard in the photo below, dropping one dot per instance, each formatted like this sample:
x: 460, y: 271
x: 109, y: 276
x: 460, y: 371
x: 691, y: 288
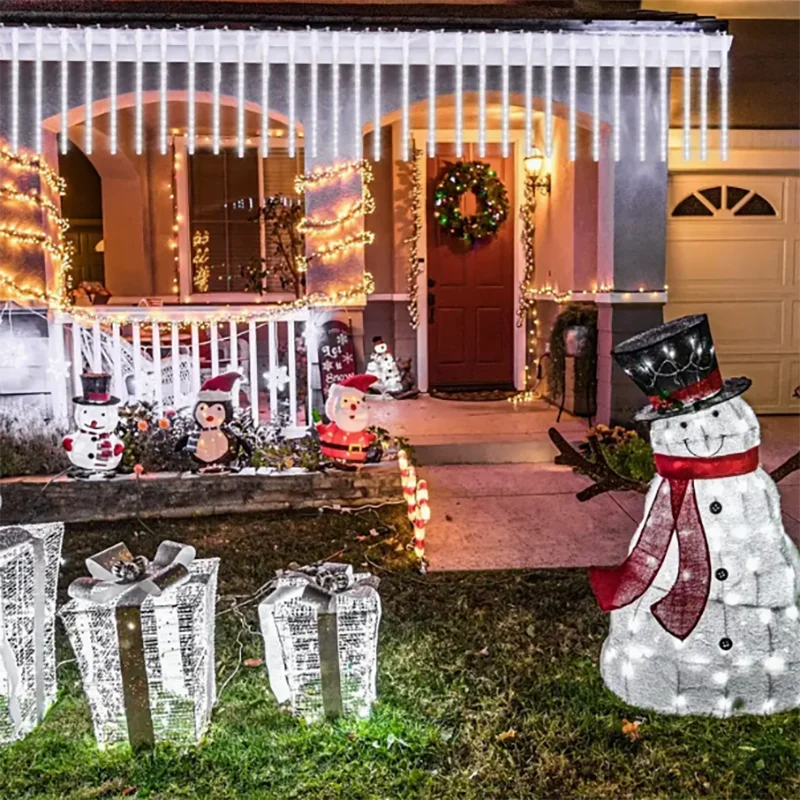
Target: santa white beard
x: 743, y: 656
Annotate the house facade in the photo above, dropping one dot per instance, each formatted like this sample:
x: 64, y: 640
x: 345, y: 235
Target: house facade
x: 171, y: 138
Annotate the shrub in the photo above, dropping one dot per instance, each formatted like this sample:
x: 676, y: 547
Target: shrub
x: 625, y: 451
x: 30, y: 445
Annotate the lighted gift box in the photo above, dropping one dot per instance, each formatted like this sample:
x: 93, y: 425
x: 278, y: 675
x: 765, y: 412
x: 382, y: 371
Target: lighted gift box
x: 30, y: 556
x: 320, y: 627
x: 143, y: 635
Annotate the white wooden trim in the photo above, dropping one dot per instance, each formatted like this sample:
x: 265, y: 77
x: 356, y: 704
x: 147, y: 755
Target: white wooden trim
x: 749, y: 150
x: 392, y: 297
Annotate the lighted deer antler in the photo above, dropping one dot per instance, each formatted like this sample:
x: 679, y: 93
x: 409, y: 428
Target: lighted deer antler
x: 604, y: 477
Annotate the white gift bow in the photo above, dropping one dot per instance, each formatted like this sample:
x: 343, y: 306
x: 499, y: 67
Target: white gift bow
x: 169, y: 567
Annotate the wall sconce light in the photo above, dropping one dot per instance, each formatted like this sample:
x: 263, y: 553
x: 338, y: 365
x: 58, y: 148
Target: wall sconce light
x: 533, y: 168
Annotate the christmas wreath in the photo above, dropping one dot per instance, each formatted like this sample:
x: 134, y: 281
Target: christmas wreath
x: 491, y: 196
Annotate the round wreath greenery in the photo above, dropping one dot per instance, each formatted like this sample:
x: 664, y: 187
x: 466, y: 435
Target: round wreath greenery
x: 480, y: 179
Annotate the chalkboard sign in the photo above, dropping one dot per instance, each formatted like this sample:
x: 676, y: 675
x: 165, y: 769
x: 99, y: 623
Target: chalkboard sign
x: 337, y: 355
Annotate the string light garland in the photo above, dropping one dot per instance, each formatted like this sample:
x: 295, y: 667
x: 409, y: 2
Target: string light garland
x: 32, y: 163
x: 90, y: 314
x: 35, y: 200
x: 414, y: 268
x: 337, y: 248
x: 323, y: 175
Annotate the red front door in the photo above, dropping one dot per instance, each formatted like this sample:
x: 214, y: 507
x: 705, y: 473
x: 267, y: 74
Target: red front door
x: 471, y: 290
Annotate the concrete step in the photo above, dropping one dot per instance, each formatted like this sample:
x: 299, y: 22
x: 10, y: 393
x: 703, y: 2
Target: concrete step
x: 536, y: 448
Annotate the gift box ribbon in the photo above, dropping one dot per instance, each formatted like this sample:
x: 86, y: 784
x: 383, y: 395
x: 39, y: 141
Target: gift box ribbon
x: 319, y: 585
x: 169, y: 568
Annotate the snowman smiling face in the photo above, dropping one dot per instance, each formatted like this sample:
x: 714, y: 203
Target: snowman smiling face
x: 720, y: 430
x: 96, y: 419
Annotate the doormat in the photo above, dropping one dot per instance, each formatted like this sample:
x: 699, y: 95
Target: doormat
x: 476, y: 396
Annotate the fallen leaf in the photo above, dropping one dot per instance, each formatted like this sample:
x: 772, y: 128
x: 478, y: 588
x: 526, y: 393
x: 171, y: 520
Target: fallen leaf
x: 128, y: 791
x: 631, y: 729
x: 253, y: 662
x: 506, y: 736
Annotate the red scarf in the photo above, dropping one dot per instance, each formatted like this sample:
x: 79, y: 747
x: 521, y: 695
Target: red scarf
x: 673, y: 511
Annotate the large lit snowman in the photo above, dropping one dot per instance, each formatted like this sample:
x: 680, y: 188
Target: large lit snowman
x: 94, y: 448
x: 704, y: 614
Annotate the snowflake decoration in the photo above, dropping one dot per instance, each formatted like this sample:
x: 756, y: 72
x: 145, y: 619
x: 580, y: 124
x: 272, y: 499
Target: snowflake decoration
x: 327, y: 365
x: 347, y: 358
x: 342, y: 339
x: 277, y: 379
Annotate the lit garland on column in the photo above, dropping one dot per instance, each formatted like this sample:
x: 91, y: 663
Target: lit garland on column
x: 57, y: 248
x: 315, y: 225
x: 526, y: 312
x: 414, y: 268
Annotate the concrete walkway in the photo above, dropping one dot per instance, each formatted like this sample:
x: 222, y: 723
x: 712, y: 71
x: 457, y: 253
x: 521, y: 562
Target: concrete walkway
x: 500, y: 516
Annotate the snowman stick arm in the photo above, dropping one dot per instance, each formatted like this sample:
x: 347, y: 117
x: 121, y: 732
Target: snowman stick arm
x: 604, y: 477
x: 792, y: 464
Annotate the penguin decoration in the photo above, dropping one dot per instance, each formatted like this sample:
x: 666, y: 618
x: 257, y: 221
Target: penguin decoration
x: 213, y: 445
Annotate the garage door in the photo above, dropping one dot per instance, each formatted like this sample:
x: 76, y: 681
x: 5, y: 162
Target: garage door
x: 733, y: 252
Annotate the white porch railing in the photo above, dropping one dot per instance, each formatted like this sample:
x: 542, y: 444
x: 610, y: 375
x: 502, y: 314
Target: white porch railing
x: 162, y: 355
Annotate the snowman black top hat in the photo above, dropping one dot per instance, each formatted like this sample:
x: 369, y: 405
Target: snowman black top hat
x: 675, y: 365
x: 96, y: 390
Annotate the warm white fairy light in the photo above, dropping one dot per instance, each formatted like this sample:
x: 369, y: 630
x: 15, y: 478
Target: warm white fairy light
x: 216, y: 79
x: 162, y: 96
x: 459, y: 94
x: 359, y: 142
x: 642, y: 100
x: 376, y: 99
x: 64, y: 92
x: 292, y: 133
x: 112, y: 94
x: 264, y: 94
x: 336, y: 110
x: 405, y: 132
x: 431, y: 94
x: 138, y: 97
x: 703, y: 98
x: 687, y: 98
x: 37, y: 94
x: 723, y: 106
x: 191, y: 122
x: 14, y: 90
x: 482, y: 94
x: 314, y: 124
x: 573, y: 91
x: 240, y: 130
x: 506, y: 111
x: 528, y: 93
x: 88, y: 87
x: 548, y: 95
x: 663, y: 96
x: 616, y: 99
x: 596, y: 98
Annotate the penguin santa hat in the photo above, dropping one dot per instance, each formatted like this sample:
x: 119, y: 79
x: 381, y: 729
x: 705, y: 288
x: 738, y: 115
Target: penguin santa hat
x: 218, y: 389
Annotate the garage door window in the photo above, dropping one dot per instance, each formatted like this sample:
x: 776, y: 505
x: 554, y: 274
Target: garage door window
x: 724, y: 202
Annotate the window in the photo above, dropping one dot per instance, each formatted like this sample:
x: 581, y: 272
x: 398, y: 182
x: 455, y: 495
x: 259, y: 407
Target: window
x: 724, y: 202
x: 226, y: 235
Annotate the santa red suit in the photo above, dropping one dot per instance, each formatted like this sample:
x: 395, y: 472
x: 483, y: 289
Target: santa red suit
x: 345, y: 437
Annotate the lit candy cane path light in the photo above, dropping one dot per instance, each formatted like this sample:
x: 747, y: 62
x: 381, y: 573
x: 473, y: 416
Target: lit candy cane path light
x: 408, y: 479
x: 421, y: 519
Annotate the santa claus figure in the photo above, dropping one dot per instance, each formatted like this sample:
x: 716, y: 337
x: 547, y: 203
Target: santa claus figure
x: 345, y: 439
x: 94, y: 449
x: 213, y: 445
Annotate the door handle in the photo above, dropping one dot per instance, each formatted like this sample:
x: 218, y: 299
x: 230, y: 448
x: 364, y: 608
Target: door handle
x: 431, y: 308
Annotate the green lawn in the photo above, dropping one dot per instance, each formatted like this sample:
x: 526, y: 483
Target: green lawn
x: 464, y: 659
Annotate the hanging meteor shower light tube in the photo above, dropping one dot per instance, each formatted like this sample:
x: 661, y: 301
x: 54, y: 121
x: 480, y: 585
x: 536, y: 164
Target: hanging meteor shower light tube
x: 687, y: 98
x: 314, y: 93
x: 112, y: 94
x: 506, y: 111
x: 704, y: 98
x: 482, y: 94
x: 191, y: 123
x: 431, y: 94
x: 548, y: 95
x: 240, y: 74
x: 292, y: 133
x: 162, y: 96
x: 14, y: 90
x: 37, y: 94
x: 216, y: 79
x: 359, y: 142
x: 663, y: 96
x: 573, y: 91
x: 723, y: 106
x: 642, y: 100
x: 595, y: 98
x: 335, y: 110
x: 376, y: 99
x: 528, y: 93
x: 87, y: 92
x: 64, y: 92
x: 459, y: 94
x: 264, y: 94
x: 405, y: 132
x: 617, y: 99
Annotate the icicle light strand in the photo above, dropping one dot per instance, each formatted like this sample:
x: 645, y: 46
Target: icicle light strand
x: 548, y: 95
x: 405, y: 132
x: 162, y: 96
x: 616, y: 98
x: 596, y: 98
x: 37, y: 94
x: 358, y: 138
x: 113, y: 126
x: 663, y: 95
x: 459, y: 94
x: 336, y: 109
x: 573, y: 91
x: 687, y: 98
x: 88, y: 86
x: 703, y: 98
x: 215, y: 90
x: 15, y: 89
x: 482, y: 95
x: 64, y: 93
x: 723, y: 106
x: 292, y: 133
x: 376, y: 99
x: 506, y: 111
x: 528, y: 93
x: 431, y: 94
x: 314, y: 92
x: 138, y: 99
x: 264, y: 94
x: 192, y: 110
x: 240, y: 76
x: 642, y: 100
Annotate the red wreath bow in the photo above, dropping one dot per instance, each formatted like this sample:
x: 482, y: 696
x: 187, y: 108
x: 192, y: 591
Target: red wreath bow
x: 673, y: 511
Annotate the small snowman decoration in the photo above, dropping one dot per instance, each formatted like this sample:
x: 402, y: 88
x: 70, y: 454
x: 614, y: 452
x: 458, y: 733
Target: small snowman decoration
x: 345, y: 439
x: 94, y: 449
x: 383, y: 366
x: 704, y: 611
x: 213, y: 445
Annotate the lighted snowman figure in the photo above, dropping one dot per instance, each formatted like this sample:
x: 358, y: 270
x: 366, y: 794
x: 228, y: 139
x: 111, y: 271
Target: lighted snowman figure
x: 704, y: 614
x: 383, y: 366
x: 94, y: 449
x: 345, y: 439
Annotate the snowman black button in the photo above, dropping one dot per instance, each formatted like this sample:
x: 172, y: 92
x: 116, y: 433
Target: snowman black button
x: 722, y: 574
x: 94, y: 438
x: 715, y: 507
x: 90, y: 455
x: 725, y: 643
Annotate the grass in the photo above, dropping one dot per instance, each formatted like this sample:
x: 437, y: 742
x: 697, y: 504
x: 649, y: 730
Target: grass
x: 489, y: 690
